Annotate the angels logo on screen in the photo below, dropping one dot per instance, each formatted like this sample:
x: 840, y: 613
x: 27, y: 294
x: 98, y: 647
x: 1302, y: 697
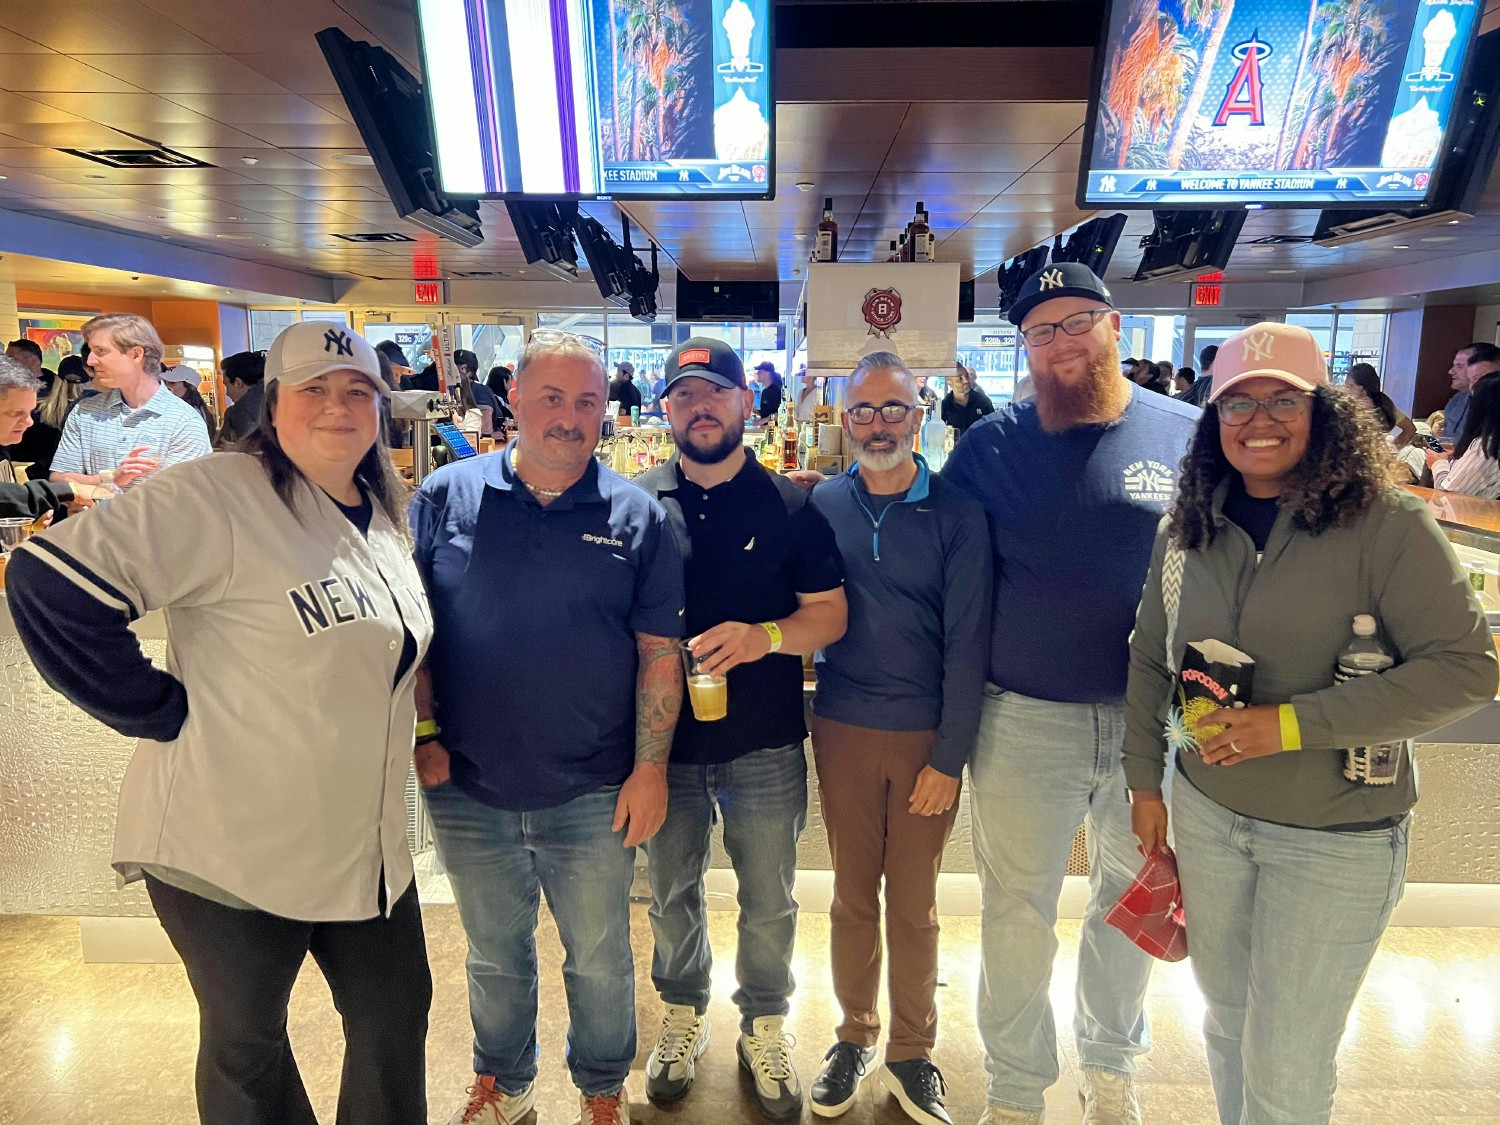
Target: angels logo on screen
x: 1242, y: 90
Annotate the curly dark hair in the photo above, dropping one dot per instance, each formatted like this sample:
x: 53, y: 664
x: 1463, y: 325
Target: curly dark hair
x: 1345, y: 468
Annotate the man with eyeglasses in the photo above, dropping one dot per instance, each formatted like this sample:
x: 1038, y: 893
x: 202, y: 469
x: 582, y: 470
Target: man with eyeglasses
x: 1074, y: 483
x: 894, y: 720
x: 764, y: 589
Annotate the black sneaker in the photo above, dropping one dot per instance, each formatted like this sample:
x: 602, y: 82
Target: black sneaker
x: 919, y: 1087
x: 844, y: 1066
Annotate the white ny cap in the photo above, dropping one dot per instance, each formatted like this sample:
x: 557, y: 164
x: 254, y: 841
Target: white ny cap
x: 311, y: 348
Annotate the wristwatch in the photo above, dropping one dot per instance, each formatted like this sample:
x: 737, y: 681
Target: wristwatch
x: 773, y: 631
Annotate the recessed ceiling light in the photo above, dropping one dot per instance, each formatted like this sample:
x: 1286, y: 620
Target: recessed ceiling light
x: 363, y: 159
x: 1401, y: 246
x: 1453, y: 222
x: 805, y: 185
x: 4, y: 177
x: 1281, y: 271
x: 1441, y: 238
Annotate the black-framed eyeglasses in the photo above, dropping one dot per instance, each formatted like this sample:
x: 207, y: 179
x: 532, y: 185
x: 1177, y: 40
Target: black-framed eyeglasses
x: 1040, y: 335
x: 892, y: 412
x: 1284, y: 406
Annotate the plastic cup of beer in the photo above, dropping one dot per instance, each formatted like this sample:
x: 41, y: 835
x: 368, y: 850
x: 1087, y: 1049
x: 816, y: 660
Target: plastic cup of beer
x: 708, y: 694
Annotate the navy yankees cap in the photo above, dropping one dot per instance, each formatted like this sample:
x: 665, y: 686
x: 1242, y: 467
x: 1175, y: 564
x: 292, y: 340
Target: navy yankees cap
x: 1061, y: 279
x: 706, y: 358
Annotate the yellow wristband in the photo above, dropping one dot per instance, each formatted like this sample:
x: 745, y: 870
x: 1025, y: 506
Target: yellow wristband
x: 428, y: 728
x: 773, y: 631
x: 1291, y: 732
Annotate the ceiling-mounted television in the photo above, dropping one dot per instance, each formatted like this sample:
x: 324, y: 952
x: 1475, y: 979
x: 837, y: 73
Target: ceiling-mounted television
x: 1298, y: 103
x: 754, y: 301
x: 594, y: 99
x: 1186, y: 243
x: 545, y: 232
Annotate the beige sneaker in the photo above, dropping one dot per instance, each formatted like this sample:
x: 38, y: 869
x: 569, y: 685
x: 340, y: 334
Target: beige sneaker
x: 995, y: 1115
x: 489, y: 1106
x: 604, y: 1109
x: 1108, y: 1099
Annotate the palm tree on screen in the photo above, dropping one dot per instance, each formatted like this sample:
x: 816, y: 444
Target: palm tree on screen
x: 1208, y: 18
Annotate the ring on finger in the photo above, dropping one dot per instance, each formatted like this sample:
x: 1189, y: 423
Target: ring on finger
x: 1234, y: 747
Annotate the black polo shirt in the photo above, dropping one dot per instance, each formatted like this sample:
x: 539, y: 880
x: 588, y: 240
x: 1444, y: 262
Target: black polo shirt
x: 751, y: 545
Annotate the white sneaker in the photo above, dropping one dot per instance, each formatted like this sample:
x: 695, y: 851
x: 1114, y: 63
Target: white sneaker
x: 766, y: 1054
x: 995, y: 1115
x: 669, y: 1070
x: 1108, y: 1099
x: 604, y: 1109
x: 489, y: 1106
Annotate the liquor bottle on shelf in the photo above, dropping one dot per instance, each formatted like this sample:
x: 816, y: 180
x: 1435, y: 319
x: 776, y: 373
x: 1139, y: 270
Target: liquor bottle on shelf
x: 827, y: 249
x: 893, y: 257
x: 903, y: 249
x: 921, y: 236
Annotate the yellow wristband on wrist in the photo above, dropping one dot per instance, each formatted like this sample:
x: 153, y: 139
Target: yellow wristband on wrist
x: 773, y: 631
x: 1291, y: 732
x: 427, y: 728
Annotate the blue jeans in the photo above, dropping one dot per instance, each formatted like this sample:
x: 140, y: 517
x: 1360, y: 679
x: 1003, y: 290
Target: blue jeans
x: 762, y: 797
x: 500, y: 863
x: 1282, y: 925
x: 1038, y: 771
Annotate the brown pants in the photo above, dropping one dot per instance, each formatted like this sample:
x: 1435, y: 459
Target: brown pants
x: 865, y: 779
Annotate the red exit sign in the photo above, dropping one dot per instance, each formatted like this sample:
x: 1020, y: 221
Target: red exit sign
x: 427, y: 292
x: 1209, y: 290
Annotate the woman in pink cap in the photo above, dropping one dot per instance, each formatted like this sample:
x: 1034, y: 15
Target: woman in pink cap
x: 1291, y: 811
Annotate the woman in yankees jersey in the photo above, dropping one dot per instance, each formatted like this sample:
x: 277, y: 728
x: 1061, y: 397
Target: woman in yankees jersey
x: 264, y: 805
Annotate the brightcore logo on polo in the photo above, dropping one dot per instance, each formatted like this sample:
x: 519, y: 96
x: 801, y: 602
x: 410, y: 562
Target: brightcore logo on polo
x: 602, y: 540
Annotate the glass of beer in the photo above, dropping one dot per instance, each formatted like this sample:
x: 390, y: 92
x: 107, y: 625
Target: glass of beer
x: 709, y: 694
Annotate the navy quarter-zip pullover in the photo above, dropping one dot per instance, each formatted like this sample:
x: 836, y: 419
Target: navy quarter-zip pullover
x: 918, y: 578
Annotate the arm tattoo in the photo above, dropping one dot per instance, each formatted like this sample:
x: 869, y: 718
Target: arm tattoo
x: 658, y: 697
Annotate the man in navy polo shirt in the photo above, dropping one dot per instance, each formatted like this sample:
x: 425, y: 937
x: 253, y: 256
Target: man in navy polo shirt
x: 556, y: 590
x: 1074, y: 484
x: 764, y: 589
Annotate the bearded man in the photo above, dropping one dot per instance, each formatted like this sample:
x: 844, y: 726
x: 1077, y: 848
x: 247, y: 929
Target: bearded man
x: 1073, y: 483
x: 764, y: 588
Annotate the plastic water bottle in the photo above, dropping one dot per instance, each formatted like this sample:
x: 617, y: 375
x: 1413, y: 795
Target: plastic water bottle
x: 1364, y: 655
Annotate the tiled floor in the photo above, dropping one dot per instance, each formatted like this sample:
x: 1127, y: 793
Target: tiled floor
x: 115, y: 1043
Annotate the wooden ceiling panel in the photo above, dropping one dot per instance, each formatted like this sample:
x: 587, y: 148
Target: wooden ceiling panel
x: 992, y: 122
x: 334, y: 134
x: 257, y: 109
x: 83, y: 27
x: 947, y: 159
x: 56, y: 73
x: 184, y: 74
x: 300, y: 69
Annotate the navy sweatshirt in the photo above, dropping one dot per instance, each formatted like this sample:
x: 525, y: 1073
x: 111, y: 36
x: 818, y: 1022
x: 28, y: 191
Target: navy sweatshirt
x: 917, y: 575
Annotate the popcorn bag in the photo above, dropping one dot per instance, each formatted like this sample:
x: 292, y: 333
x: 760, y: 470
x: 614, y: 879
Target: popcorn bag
x: 1149, y: 913
x: 1214, y: 675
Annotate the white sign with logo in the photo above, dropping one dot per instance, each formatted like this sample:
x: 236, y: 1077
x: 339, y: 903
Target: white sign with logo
x: 910, y: 308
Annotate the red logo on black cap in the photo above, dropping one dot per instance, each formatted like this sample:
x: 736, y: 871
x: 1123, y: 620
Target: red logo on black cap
x: 692, y: 356
x: 882, y: 311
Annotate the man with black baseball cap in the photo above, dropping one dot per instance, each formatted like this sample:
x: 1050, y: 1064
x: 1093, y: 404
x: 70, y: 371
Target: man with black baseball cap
x: 764, y: 588
x: 1074, y: 483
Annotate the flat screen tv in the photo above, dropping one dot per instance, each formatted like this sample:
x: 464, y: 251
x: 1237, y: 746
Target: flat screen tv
x: 601, y: 99
x: 1298, y: 103
x: 388, y: 108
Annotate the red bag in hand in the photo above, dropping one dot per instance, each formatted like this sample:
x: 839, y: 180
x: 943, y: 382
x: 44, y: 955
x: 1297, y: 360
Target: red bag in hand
x: 1150, y: 912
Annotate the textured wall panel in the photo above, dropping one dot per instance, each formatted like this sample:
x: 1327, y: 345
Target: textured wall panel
x: 1456, y: 826
x: 60, y: 774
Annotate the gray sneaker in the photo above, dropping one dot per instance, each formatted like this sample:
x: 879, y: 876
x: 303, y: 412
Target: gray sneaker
x: 670, y: 1069
x: 1108, y: 1099
x: 766, y: 1055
